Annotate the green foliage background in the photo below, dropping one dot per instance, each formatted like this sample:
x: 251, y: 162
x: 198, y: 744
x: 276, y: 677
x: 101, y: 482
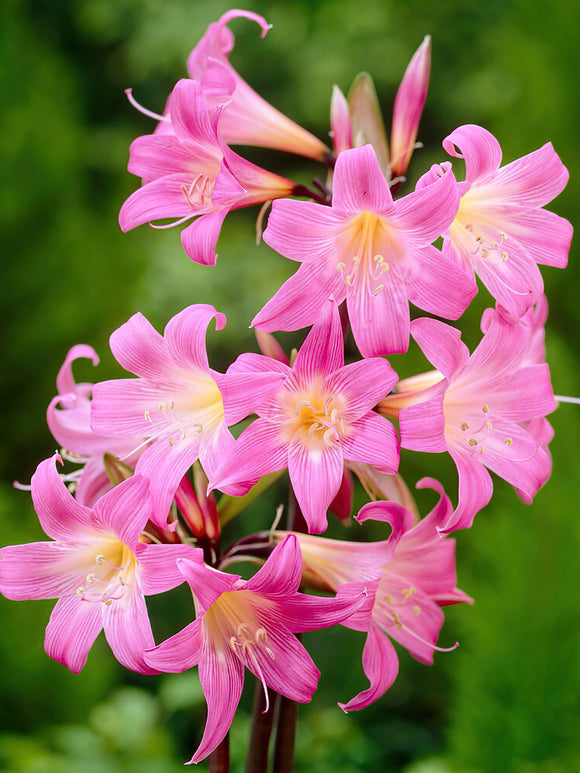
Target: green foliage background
x: 507, y: 700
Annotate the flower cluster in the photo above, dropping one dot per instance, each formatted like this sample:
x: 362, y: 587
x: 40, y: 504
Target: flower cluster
x: 139, y: 514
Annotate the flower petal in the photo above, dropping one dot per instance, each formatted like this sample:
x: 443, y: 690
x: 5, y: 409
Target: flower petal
x: 359, y: 184
x: 315, y: 477
x: 61, y: 517
x: 478, y: 147
x: 128, y: 630
x: 73, y: 627
x: 381, y: 666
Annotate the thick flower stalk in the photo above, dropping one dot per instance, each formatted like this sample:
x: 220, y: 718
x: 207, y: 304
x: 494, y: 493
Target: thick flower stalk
x: 479, y: 410
x: 190, y: 172
x: 249, y: 624
x: 98, y: 566
x: 501, y: 230
x: 319, y: 416
x: 408, y: 577
x: 370, y: 250
x: 248, y: 118
x: 179, y: 406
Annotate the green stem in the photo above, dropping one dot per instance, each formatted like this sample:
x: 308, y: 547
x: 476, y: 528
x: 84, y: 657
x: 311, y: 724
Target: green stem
x: 219, y: 759
x: 285, y: 736
x: 262, y: 722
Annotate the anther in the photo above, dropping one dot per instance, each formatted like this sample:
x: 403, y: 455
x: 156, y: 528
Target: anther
x: 80, y: 592
x: 485, y: 409
x: 508, y: 441
x: 488, y: 425
x: 465, y: 426
x: 416, y: 610
x: 472, y: 441
x: 340, y: 266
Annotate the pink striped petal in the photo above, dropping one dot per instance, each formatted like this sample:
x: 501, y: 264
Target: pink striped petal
x: 478, y: 147
x: 438, y: 285
x: 179, y: 653
x: 61, y: 517
x: 125, y: 510
x: 363, y: 384
x: 381, y: 666
x: 200, y: 238
x: 422, y: 426
x: 323, y: 350
x: 359, y: 184
x: 40, y: 570
x: 73, y: 627
x: 303, y: 231
x: 159, y: 569
x: 373, y: 441
x: 128, y: 631
x: 441, y: 344
x: 158, y: 199
x: 315, y: 478
x: 282, y: 573
x: 185, y: 336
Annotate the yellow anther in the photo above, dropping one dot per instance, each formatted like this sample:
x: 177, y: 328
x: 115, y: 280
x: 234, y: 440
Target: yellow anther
x: 408, y: 592
x: 416, y: 610
x: 484, y: 253
x: 90, y: 578
x: 99, y: 559
x: 465, y: 426
x: 385, y: 267
x: 340, y: 266
x: 80, y: 592
x: 397, y: 619
x: 472, y: 441
x: 488, y: 425
x: 147, y: 416
x: 508, y: 441
x: 389, y: 599
x: 270, y: 653
x: 108, y: 602
x: 485, y: 409
x: 261, y: 634
x: 504, y: 256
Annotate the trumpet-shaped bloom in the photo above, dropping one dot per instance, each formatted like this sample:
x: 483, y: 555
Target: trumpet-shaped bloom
x: 96, y: 566
x: 408, y: 577
x: 178, y: 405
x: 248, y: 118
x: 320, y: 416
x: 188, y: 171
x: 369, y: 249
x: 249, y: 624
x: 68, y: 418
x: 408, y: 108
x: 480, y: 410
x: 501, y: 230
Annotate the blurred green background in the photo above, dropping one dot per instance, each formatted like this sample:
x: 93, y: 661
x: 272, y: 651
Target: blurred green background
x: 508, y: 699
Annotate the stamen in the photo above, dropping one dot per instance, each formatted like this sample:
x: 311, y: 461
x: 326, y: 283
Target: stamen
x: 141, y: 109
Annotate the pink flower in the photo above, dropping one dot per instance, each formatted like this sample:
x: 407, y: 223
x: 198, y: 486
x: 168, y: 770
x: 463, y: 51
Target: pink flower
x: 408, y: 108
x: 179, y: 405
x: 479, y: 410
x: 319, y: 417
x: 248, y: 119
x: 369, y: 249
x: 249, y: 624
x: 408, y: 577
x: 189, y: 171
x: 96, y: 566
x: 68, y: 418
x: 501, y: 230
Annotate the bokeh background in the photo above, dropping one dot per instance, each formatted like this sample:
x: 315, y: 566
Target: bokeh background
x: 508, y: 699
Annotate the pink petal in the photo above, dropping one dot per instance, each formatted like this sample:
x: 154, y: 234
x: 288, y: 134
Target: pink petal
x: 61, y: 517
x: 373, y: 441
x: 185, y: 336
x: 65, y: 382
x: 362, y: 384
x: 475, y: 490
x: 545, y: 236
x: 206, y: 584
x: 73, y: 627
x: 533, y: 180
x: 222, y: 678
x: 478, y: 147
x: 303, y: 231
x: 158, y: 155
x: 439, y: 285
x: 159, y: 569
x: 379, y: 316
x: 359, y: 184
x: 323, y: 350
x: 315, y: 477
x: 422, y: 426
x: 300, y: 299
x: 156, y: 200
x: 128, y: 631
x: 441, y: 344
x: 282, y: 573
x: 125, y: 509
x: 140, y: 349
x: 426, y: 213
x: 258, y: 451
x: 381, y: 666
x: 242, y: 393
x: 40, y: 570
x: 200, y: 238
x: 178, y: 653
